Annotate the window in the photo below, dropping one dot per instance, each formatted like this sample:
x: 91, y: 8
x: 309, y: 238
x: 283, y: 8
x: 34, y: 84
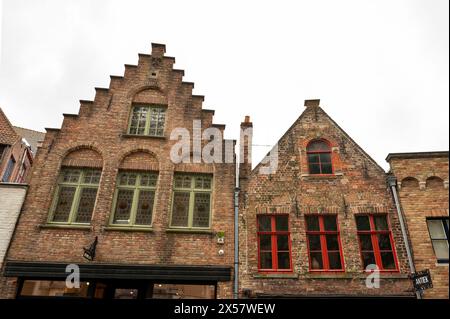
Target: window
x: 51, y: 288
x: 274, y: 245
x: 376, y: 242
x: 319, y: 158
x: 147, y: 120
x: 2, y: 149
x: 191, y: 203
x: 134, y: 199
x: 75, y: 196
x: 324, y: 243
x: 438, y: 228
x: 9, y: 169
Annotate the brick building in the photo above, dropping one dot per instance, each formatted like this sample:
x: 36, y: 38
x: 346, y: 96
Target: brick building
x: 422, y: 186
x: 105, y: 186
x: 16, y: 154
x: 311, y: 227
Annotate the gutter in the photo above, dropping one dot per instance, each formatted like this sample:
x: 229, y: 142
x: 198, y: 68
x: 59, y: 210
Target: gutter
x: 236, y: 243
x: 392, y: 182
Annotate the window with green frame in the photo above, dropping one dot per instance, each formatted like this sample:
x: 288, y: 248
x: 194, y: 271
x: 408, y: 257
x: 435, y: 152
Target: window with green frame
x: 191, y: 201
x: 134, y: 199
x: 75, y: 196
x: 147, y: 120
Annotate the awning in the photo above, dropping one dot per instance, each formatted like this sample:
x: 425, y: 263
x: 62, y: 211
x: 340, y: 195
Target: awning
x: 118, y: 271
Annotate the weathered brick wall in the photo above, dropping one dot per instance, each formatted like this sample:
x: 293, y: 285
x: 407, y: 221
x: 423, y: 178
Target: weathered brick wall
x: 98, y: 134
x: 357, y: 186
x: 11, y: 200
x: 423, y: 192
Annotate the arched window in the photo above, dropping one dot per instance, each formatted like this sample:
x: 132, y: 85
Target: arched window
x: 319, y: 157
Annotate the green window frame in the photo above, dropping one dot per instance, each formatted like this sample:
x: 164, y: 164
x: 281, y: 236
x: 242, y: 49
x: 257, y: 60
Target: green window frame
x: 191, y: 201
x: 75, y: 196
x: 147, y: 120
x: 134, y: 199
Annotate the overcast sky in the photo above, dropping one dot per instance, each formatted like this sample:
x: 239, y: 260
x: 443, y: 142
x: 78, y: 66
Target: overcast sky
x: 380, y: 68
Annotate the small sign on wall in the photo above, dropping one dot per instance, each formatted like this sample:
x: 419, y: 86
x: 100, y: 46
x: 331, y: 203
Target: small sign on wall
x: 422, y: 280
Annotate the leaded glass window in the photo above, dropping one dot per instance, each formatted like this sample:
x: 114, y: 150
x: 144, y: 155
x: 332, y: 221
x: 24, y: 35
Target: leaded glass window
x: 191, y: 203
x: 134, y: 199
x: 75, y: 196
x: 147, y: 120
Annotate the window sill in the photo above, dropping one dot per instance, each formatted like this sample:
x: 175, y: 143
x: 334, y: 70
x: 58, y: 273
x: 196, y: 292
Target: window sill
x: 322, y: 176
x: 126, y: 135
x: 65, y: 226
x: 275, y: 276
x: 129, y: 229
x: 190, y: 231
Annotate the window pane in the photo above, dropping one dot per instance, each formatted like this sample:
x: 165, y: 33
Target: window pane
x: 381, y: 222
x: 312, y: 223
x: 71, y: 176
x: 283, y: 260
x: 441, y: 248
x: 362, y: 223
x: 334, y: 259
x: 387, y: 258
x: 327, y: 169
x: 128, y: 179
x: 314, y: 242
x: 314, y: 168
x: 325, y: 158
x: 436, y: 229
x: 384, y: 242
x: 86, y: 205
x: 183, y: 181
x: 149, y: 180
x: 265, y: 242
x: 138, y: 120
x: 332, y: 242
x: 266, y: 260
x: 145, y: 208
x: 201, y: 210
x: 92, y: 177
x: 65, y: 199
x: 316, y: 260
x: 366, y: 242
x: 313, y: 158
x: 180, y: 210
x: 329, y: 223
x: 46, y: 288
x: 283, y: 242
x: 123, y: 206
x: 264, y: 223
x: 368, y: 259
x: 318, y: 146
x: 281, y: 223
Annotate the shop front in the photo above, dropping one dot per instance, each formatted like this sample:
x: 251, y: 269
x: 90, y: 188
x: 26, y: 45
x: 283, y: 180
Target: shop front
x: 117, y: 281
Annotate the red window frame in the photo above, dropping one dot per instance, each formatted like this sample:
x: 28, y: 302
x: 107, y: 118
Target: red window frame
x: 375, y: 246
x: 274, y: 245
x: 323, y: 243
x: 308, y: 152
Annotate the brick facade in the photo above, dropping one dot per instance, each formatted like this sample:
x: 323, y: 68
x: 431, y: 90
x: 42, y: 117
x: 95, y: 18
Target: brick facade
x: 422, y: 180
x: 357, y: 186
x: 97, y: 137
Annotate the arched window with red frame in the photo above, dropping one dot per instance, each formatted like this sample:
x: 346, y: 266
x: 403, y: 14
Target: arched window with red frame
x: 319, y: 158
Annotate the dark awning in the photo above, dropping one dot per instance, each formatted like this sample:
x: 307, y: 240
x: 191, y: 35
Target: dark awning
x: 119, y: 271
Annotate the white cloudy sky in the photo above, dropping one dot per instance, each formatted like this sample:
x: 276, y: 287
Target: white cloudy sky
x: 379, y: 67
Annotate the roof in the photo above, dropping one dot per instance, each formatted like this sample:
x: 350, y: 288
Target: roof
x: 7, y: 133
x: 411, y: 155
x: 32, y: 137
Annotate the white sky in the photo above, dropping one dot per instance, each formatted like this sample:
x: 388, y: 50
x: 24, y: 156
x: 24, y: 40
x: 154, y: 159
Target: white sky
x: 380, y: 68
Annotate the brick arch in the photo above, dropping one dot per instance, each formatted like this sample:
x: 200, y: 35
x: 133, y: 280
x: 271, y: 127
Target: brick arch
x: 139, y: 159
x: 434, y: 182
x: 82, y: 156
x: 410, y: 182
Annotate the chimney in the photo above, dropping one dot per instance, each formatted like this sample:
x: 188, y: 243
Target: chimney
x: 245, y: 145
x: 312, y: 103
x: 158, y: 50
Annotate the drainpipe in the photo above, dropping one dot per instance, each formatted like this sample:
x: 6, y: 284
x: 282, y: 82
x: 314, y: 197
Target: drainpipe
x: 392, y: 182
x: 236, y: 243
